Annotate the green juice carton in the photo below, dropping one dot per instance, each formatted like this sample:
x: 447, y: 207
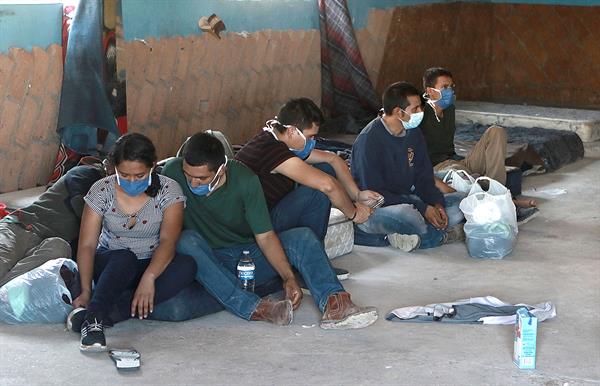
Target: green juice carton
x: 525, y: 339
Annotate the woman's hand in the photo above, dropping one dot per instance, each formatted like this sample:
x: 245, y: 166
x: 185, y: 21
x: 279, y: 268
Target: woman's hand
x: 83, y: 299
x: 143, y: 299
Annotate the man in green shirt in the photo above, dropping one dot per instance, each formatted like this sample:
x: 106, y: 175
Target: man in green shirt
x: 226, y: 214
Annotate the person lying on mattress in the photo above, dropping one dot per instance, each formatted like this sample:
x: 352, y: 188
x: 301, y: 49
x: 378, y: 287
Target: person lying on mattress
x: 439, y: 126
x: 226, y: 216
x: 301, y: 183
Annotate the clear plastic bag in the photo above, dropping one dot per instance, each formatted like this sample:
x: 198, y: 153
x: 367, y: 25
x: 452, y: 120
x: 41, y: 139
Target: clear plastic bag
x: 491, y: 227
x: 37, y: 296
x: 459, y: 180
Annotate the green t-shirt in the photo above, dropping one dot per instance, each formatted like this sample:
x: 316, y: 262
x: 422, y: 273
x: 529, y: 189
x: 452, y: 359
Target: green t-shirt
x: 232, y: 214
x: 439, y: 135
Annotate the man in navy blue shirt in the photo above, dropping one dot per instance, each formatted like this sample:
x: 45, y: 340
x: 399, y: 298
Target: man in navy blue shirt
x: 389, y: 156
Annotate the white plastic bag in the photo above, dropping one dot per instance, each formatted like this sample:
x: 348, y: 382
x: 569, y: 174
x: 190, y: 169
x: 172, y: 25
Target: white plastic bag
x: 37, y: 296
x: 459, y: 180
x: 491, y: 227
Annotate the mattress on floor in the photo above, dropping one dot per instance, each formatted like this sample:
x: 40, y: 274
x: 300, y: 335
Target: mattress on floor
x: 340, y: 234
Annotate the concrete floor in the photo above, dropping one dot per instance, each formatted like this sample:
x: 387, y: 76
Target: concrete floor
x: 557, y: 258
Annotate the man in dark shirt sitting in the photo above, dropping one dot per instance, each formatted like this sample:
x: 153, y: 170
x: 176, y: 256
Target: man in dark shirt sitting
x: 298, y: 191
x: 390, y: 157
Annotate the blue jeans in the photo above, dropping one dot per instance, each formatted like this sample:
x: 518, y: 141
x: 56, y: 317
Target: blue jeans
x: 304, y: 207
x: 117, y: 271
x: 406, y: 219
x: 194, y: 301
x: 217, y: 268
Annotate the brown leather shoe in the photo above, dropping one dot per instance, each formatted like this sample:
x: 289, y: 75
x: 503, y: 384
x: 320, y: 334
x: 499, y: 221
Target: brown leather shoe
x: 341, y: 314
x: 279, y: 313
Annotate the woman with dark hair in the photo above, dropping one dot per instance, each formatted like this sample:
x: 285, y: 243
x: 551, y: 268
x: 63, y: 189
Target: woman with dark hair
x: 130, y: 226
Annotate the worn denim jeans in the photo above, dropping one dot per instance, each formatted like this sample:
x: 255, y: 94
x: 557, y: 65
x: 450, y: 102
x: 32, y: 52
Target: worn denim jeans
x: 406, y: 219
x: 217, y: 268
x: 304, y: 207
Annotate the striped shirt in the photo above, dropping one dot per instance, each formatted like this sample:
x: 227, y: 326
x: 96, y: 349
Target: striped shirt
x: 143, y: 237
x: 262, y: 154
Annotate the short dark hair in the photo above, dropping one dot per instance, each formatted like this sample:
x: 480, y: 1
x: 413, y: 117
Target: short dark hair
x: 300, y: 112
x: 396, y: 95
x: 204, y: 149
x: 432, y: 74
x: 136, y: 147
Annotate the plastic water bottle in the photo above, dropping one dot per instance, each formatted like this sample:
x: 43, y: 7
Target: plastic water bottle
x: 245, y: 269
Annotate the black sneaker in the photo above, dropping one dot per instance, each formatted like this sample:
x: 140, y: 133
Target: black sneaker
x: 92, y: 336
x: 524, y: 215
x: 75, y: 319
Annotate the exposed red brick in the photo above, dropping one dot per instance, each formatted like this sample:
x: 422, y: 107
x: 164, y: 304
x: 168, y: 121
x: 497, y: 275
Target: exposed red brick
x: 168, y: 57
x: 28, y: 125
x: 55, y: 70
x: 160, y: 95
x: 262, y: 42
x: 6, y: 67
x: 19, y: 82
x: 152, y: 69
x: 10, y: 117
x: 184, y: 54
x: 40, y: 70
x: 143, y: 105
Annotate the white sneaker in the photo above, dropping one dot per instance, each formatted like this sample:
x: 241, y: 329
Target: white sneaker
x: 406, y: 243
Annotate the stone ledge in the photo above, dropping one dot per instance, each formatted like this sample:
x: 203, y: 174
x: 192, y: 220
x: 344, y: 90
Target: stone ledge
x: 586, y: 123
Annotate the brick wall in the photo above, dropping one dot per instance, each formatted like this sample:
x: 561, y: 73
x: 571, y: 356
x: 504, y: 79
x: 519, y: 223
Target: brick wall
x: 371, y: 40
x: 30, y: 83
x: 181, y: 85
x: 506, y: 53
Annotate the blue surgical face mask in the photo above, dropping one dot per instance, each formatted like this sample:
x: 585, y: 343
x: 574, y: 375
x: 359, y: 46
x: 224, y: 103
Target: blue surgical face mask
x: 137, y: 187
x: 414, y: 121
x: 203, y: 190
x: 309, y: 145
x: 447, y: 97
